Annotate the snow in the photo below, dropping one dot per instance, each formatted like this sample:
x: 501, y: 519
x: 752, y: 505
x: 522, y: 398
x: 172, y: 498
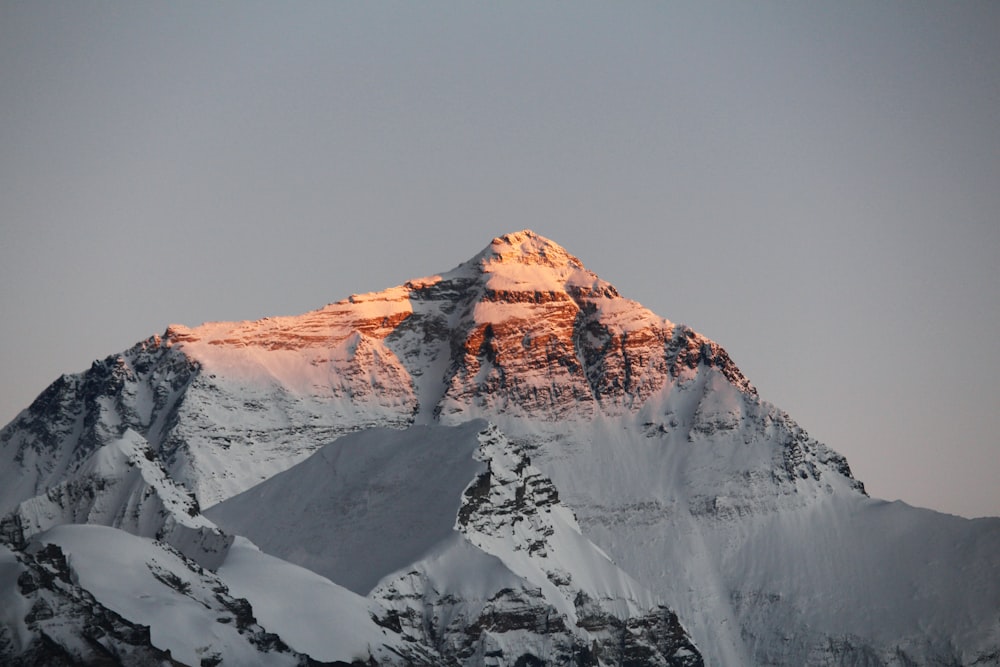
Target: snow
x: 869, y: 568
x: 384, y: 303
x: 127, y: 574
x: 15, y: 606
x: 378, y: 512
x: 122, y: 485
x: 760, y: 571
x: 525, y: 261
x: 299, y: 605
x: 457, y: 566
x: 699, y: 495
x: 566, y: 551
x: 333, y: 512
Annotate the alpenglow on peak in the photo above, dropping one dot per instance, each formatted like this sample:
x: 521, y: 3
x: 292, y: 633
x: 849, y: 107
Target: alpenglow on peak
x: 516, y: 265
x: 527, y: 247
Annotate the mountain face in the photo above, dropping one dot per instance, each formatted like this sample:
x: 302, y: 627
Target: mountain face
x: 505, y: 464
x: 486, y: 560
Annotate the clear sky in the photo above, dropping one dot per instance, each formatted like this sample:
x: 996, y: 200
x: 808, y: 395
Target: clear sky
x: 816, y: 186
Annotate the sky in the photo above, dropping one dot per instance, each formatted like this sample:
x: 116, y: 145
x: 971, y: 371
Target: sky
x: 815, y: 186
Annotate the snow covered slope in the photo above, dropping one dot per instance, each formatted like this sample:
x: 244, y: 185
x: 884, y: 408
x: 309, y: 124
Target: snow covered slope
x: 713, y: 501
x: 455, y: 530
x: 353, y: 493
x: 47, y: 619
x: 88, y: 594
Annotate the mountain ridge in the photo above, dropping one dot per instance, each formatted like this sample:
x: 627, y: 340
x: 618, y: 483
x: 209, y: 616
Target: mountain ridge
x: 663, y: 452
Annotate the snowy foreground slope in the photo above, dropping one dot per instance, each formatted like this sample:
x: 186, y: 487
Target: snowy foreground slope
x: 508, y: 463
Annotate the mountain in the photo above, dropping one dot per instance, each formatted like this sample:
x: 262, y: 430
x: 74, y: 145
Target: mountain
x: 515, y: 559
x: 507, y: 463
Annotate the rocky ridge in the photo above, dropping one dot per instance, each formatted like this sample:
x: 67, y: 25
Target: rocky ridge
x: 551, y: 604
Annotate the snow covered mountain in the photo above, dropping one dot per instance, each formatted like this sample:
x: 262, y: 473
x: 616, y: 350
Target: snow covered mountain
x: 508, y: 463
x: 499, y: 554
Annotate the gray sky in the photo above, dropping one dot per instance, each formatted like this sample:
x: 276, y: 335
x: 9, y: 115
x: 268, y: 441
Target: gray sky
x: 816, y: 186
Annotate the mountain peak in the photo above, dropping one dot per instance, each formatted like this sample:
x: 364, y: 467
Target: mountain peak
x: 527, y: 247
x: 523, y: 262
x: 523, y: 325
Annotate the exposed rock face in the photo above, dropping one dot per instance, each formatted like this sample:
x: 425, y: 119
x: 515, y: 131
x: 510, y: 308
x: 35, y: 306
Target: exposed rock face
x: 50, y: 617
x: 138, y: 390
x: 550, y: 599
x: 97, y: 460
x: 122, y: 485
x: 61, y: 624
x: 512, y: 500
